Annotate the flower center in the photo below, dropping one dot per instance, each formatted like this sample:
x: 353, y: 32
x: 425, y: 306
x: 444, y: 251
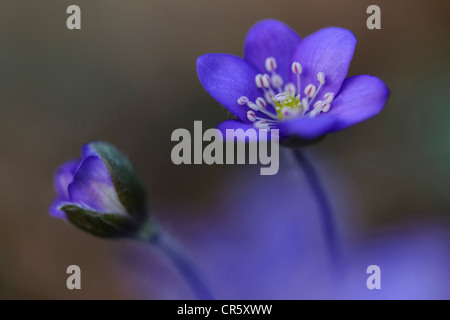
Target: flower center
x: 286, y: 100
x: 287, y: 105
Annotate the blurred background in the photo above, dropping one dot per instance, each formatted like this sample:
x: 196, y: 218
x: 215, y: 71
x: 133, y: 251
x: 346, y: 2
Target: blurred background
x: 129, y: 77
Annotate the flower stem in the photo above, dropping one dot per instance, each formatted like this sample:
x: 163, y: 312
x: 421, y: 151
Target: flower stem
x: 183, y: 265
x: 327, y: 217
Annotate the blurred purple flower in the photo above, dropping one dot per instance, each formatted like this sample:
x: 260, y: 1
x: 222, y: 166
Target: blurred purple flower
x: 414, y: 260
x: 248, y: 251
x: 294, y: 85
x: 100, y: 193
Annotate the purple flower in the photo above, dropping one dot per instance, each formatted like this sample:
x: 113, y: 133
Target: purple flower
x: 100, y: 193
x: 298, y: 86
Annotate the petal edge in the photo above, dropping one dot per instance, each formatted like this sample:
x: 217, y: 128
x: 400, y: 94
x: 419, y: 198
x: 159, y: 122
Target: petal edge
x: 360, y: 98
x: 271, y: 38
x: 329, y: 50
x: 308, y: 128
x: 226, y: 78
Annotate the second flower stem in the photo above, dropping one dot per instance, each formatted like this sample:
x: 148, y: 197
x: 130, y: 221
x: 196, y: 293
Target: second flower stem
x: 326, y: 213
x: 183, y: 265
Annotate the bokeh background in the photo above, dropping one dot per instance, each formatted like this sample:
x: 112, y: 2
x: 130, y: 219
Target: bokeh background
x: 129, y: 78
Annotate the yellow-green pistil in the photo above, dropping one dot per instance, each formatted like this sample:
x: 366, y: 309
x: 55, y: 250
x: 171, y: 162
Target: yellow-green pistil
x: 287, y: 104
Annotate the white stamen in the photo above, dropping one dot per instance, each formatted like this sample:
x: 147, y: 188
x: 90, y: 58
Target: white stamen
x: 259, y: 80
x: 277, y: 81
x: 261, y: 125
x: 256, y: 107
x: 271, y: 64
x: 267, y: 112
x: 290, y: 88
x: 318, y: 104
x: 310, y: 90
x: 268, y: 120
x: 321, y: 77
x: 313, y: 113
x: 252, y: 106
x: 243, y: 100
x: 296, y: 68
x: 261, y: 103
x: 280, y: 97
x: 266, y: 81
x: 269, y: 96
x: 251, y: 116
x: 285, y: 102
x: 328, y: 97
x: 305, y: 104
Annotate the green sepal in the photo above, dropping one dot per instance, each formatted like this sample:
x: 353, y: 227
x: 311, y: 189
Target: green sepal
x: 129, y: 188
x: 107, y: 225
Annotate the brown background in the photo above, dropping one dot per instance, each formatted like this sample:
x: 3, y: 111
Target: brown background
x: 129, y: 77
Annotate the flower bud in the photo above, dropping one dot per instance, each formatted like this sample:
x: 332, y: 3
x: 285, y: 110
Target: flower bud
x: 101, y: 193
